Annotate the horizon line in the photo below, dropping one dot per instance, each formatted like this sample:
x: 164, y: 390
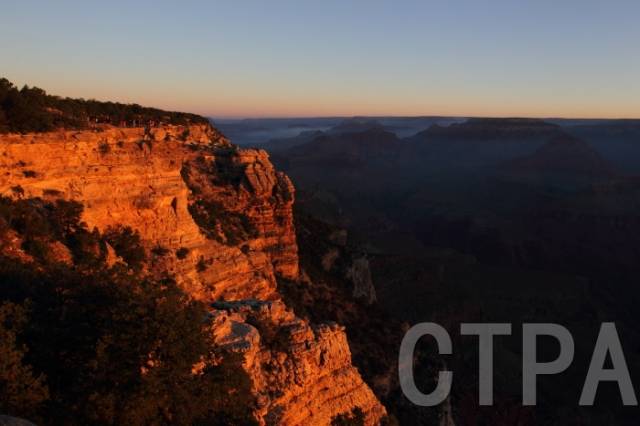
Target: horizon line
x: 326, y: 117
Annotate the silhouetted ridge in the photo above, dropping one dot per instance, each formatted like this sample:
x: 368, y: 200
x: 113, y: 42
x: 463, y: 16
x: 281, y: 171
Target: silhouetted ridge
x: 489, y: 128
x: 369, y: 141
x: 341, y: 150
x: 564, y: 154
x: 357, y: 125
x: 281, y: 144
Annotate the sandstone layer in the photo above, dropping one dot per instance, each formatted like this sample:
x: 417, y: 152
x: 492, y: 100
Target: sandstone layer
x: 289, y: 360
x: 228, y: 213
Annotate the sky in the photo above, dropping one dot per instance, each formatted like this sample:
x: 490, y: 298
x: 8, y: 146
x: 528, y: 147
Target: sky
x: 241, y: 58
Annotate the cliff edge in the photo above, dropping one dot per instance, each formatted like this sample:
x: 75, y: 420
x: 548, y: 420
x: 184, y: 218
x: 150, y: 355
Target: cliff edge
x: 219, y: 219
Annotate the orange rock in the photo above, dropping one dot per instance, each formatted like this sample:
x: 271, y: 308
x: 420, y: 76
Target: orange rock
x: 301, y: 374
x: 151, y: 180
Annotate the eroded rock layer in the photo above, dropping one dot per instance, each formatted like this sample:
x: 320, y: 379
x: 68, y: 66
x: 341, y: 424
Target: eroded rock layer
x: 289, y: 360
x: 223, y: 219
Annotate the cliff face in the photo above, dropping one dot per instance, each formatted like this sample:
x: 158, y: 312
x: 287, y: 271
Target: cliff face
x: 223, y: 218
x: 302, y: 374
x: 135, y: 178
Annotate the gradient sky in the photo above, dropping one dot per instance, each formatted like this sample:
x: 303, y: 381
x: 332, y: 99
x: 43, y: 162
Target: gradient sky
x: 317, y: 58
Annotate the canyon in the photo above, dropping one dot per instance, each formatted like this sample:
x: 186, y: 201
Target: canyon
x: 220, y: 221
x: 486, y: 220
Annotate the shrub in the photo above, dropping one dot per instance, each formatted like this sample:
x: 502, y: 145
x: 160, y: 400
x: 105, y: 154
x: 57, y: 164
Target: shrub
x: 41, y: 222
x: 182, y: 253
x: 36, y: 248
x: 17, y: 190
x: 211, y: 216
x: 159, y: 251
x: 104, y: 148
x: 127, y: 244
x: 29, y: 173
x: 355, y: 418
x: 88, y: 248
x: 65, y: 217
x: 51, y: 193
x: 27, y: 217
x: 21, y: 391
x: 201, y: 266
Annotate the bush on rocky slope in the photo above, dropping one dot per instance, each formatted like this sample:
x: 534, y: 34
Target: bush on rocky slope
x: 110, y: 345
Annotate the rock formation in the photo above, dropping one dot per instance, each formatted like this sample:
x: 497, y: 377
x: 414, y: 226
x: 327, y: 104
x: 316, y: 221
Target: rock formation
x: 563, y: 154
x: 289, y: 360
x: 360, y: 275
x: 223, y: 218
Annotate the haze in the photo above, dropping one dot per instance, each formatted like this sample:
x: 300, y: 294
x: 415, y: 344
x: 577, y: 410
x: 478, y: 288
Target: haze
x: 333, y: 58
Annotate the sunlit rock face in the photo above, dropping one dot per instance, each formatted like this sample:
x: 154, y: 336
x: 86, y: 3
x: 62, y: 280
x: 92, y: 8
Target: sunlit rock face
x: 224, y: 216
x: 135, y: 178
x: 302, y: 374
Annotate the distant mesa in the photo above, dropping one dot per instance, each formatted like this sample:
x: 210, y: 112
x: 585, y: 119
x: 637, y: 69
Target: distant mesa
x: 356, y: 125
x: 347, y: 126
x: 281, y: 144
x: 609, y: 127
x: 340, y: 151
x: 489, y: 128
x: 364, y: 143
x: 563, y: 154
